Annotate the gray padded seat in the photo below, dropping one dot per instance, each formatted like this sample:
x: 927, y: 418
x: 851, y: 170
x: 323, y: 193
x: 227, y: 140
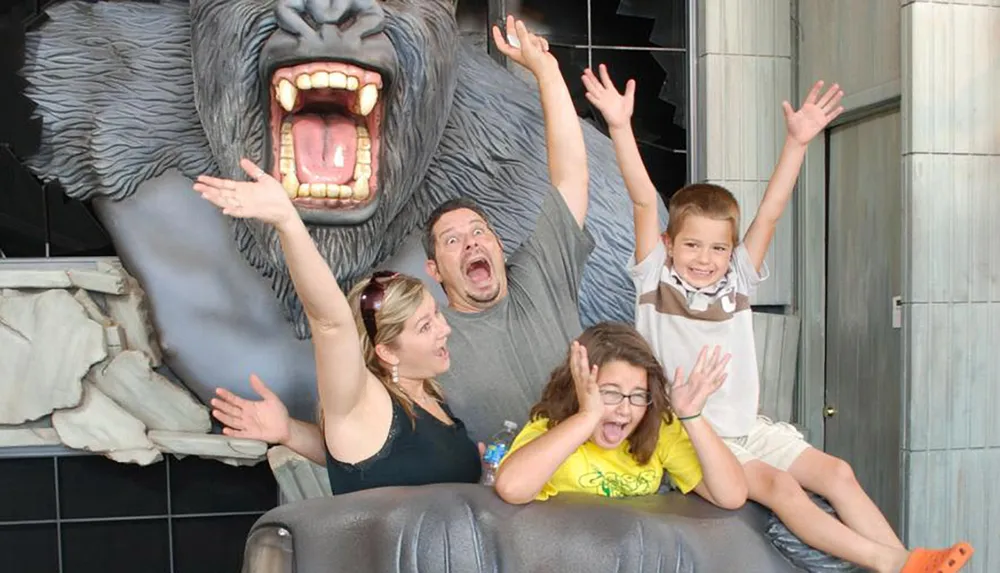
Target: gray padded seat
x: 467, y: 528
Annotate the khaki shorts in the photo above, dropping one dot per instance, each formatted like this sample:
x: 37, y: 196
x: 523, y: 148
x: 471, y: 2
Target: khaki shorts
x: 776, y: 444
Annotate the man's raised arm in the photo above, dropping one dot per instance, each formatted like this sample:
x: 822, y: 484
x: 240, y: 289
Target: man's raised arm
x: 567, y: 154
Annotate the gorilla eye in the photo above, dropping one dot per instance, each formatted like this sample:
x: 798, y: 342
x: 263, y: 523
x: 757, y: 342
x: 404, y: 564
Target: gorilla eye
x: 348, y: 22
x: 309, y: 20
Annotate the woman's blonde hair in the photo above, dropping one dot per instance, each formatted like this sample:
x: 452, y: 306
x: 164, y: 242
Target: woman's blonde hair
x: 401, y: 296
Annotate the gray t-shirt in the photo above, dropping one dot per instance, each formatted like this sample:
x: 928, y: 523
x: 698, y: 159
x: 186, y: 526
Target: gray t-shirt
x: 501, y: 358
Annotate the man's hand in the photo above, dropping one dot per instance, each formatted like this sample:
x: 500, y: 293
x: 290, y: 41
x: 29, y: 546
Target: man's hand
x: 814, y: 115
x: 532, y: 51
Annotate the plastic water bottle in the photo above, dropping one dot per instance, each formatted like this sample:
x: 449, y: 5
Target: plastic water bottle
x: 496, y: 450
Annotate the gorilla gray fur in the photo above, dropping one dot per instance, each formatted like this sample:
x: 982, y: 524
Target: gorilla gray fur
x: 122, y: 110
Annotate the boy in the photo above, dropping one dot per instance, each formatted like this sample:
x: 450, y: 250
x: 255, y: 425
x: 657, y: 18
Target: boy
x: 693, y: 289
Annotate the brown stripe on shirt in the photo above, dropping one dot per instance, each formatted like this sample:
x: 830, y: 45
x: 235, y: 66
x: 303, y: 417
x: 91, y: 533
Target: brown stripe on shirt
x: 669, y: 300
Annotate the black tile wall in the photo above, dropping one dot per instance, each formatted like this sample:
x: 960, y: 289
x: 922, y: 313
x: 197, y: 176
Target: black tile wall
x: 628, y: 23
x: 639, y: 23
x: 119, y: 518
x: 27, y: 490
x: 206, y: 486
x: 29, y: 548
x: 210, y: 544
x: 659, y: 117
x: 116, y: 547
x: 94, y: 486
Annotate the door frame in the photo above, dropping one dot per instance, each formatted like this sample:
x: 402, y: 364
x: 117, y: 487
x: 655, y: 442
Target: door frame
x: 810, y: 231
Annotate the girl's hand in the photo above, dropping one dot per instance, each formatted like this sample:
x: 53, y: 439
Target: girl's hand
x: 585, y: 380
x: 688, y: 397
x: 263, y: 198
x: 615, y: 107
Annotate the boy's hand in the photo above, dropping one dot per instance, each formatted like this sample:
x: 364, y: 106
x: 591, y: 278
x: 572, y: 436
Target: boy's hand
x: 814, y: 115
x: 532, y: 51
x: 688, y: 397
x: 615, y: 107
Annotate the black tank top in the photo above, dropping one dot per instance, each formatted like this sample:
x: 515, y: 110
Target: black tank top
x: 428, y: 452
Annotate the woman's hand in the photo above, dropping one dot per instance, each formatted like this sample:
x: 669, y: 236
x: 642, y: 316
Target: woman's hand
x: 263, y: 198
x: 266, y: 420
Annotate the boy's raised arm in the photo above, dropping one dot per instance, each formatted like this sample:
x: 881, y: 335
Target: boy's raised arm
x: 617, y: 111
x: 802, y: 125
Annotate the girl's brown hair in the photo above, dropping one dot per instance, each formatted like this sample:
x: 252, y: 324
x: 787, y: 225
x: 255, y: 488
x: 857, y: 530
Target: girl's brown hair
x: 608, y: 342
x: 403, y: 294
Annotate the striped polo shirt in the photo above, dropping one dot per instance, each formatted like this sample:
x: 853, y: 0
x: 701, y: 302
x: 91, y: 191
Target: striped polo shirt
x: 678, y: 319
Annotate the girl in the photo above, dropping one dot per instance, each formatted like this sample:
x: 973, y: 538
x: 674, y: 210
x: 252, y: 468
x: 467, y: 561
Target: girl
x: 606, y: 425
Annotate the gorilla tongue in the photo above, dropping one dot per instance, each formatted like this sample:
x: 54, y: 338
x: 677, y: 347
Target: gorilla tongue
x: 325, y: 148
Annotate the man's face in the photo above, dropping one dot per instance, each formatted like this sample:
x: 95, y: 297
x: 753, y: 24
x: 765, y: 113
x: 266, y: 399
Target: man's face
x: 468, y: 261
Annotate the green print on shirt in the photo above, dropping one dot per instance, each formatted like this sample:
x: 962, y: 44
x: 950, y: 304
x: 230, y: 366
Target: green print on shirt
x: 615, y: 485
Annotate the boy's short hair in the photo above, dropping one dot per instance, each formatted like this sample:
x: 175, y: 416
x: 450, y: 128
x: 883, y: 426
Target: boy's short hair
x: 706, y: 200
x: 443, y: 209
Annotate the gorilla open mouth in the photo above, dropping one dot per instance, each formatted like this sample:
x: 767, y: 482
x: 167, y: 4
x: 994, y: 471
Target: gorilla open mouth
x: 325, y: 122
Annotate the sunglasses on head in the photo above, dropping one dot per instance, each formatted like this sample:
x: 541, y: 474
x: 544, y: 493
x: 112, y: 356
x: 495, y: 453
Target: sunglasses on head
x: 371, y: 299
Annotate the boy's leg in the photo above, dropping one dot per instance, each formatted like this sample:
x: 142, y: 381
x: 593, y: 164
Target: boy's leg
x: 780, y: 492
x: 834, y: 479
x: 775, y: 447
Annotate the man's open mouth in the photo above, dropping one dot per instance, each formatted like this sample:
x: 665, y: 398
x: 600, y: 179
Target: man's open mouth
x: 478, y: 269
x: 325, y: 120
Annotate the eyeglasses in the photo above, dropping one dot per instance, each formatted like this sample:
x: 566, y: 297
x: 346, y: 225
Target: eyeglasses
x: 614, y: 397
x: 371, y: 299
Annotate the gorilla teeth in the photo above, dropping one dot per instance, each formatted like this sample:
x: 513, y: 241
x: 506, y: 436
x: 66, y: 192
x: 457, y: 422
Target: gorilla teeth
x: 367, y: 99
x: 291, y: 184
x: 287, y: 94
x: 358, y: 190
x: 291, y: 92
x: 361, y: 189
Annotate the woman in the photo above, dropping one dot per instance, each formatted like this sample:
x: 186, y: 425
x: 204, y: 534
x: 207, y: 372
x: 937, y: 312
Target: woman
x: 383, y: 418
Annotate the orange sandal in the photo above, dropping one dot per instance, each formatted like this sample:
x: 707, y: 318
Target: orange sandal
x: 938, y: 560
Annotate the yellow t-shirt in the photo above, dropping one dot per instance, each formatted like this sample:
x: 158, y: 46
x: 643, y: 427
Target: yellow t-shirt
x: 615, y: 473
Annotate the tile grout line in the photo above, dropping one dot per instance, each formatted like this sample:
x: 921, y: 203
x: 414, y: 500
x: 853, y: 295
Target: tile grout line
x: 55, y: 486
x: 170, y: 514
x: 126, y: 518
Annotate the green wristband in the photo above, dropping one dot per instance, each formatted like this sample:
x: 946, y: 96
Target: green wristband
x: 686, y: 418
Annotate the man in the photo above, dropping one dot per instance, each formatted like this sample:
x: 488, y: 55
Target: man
x: 511, y: 323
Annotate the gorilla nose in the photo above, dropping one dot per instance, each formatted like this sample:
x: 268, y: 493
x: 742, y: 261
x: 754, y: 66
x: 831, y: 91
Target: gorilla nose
x: 304, y: 16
